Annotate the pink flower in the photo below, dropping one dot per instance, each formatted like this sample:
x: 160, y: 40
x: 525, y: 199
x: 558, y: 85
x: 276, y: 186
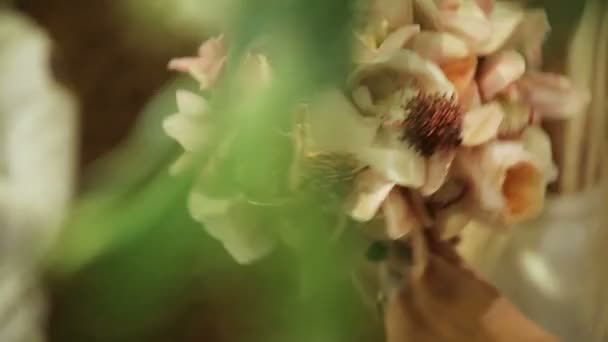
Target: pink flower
x: 207, y: 66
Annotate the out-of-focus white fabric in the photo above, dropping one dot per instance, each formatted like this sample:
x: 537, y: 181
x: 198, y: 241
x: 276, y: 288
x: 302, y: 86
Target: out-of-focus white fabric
x: 37, y: 150
x: 555, y: 268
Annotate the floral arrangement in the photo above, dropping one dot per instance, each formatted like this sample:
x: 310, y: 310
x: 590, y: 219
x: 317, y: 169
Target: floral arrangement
x: 438, y: 125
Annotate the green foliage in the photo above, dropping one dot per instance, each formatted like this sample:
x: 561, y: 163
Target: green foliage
x: 129, y: 261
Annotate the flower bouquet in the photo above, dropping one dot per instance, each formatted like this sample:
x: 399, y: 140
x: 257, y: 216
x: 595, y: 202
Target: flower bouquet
x: 436, y: 126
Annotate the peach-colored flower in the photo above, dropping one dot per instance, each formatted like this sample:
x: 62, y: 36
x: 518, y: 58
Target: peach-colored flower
x: 506, y: 183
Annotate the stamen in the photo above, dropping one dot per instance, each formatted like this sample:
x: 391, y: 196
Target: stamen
x: 434, y: 123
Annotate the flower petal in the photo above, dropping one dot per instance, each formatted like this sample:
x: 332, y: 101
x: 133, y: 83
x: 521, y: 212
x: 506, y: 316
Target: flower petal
x: 531, y: 35
x: 398, y: 39
x: 181, y: 164
x: 470, y: 98
x: 536, y: 141
x: 409, y: 63
x: 505, y: 19
x: 507, y: 185
x: 437, y: 169
x: 184, y: 64
x: 524, y: 191
x: 461, y: 73
x: 481, y: 124
x: 191, y: 103
x: 362, y: 97
x: 207, y: 66
x: 487, y: 6
x: 398, y: 13
x: 452, y: 220
x: 427, y: 13
x: 213, y: 49
x: 396, y: 161
x: 518, y: 114
x: 399, y: 216
x: 553, y: 96
x: 364, y: 48
x: 469, y: 23
x: 187, y: 126
x: 235, y: 225
x: 203, y: 207
x: 448, y: 5
x: 255, y: 72
x: 369, y: 192
x: 188, y: 130
x: 439, y: 47
x: 335, y: 125
x: 499, y: 71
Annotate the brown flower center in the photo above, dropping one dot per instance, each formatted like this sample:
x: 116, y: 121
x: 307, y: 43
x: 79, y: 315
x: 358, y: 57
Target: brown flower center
x: 434, y: 123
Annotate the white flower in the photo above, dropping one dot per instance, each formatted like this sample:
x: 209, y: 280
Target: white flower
x: 238, y: 224
x: 241, y: 228
x: 189, y: 126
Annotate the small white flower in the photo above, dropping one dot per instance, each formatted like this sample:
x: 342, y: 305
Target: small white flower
x: 189, y: 126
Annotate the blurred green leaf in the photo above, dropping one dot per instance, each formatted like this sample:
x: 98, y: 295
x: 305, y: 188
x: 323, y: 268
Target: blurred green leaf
x: 125, y: 193
x: 133, y: 247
